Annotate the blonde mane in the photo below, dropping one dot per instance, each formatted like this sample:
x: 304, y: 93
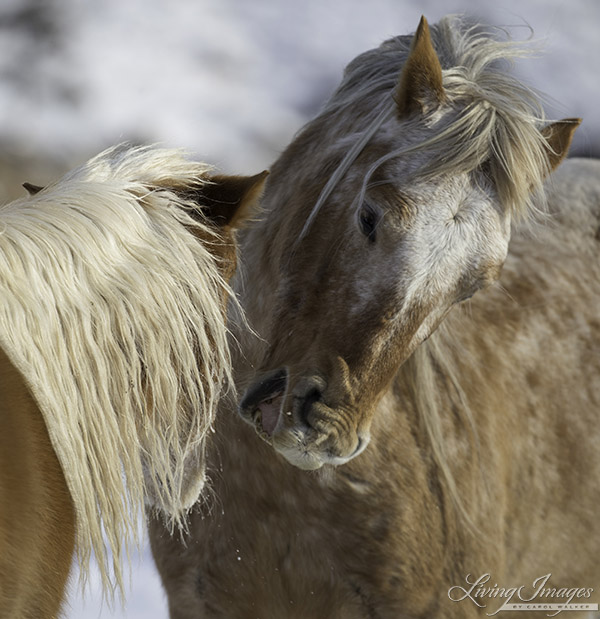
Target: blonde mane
x: 112, y: 309
x: 491, y: 119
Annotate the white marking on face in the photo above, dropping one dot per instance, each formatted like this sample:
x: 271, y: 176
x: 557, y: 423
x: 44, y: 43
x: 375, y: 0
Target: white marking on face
x: 452, y: 234
x: 454, y: 230
x: 439, y: 254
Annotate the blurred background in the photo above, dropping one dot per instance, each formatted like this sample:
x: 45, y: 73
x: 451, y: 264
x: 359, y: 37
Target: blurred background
x: 231, y: 81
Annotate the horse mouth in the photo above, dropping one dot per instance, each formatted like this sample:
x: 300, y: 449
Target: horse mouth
x: 288, y: 430
x: 261, y: 406
x: 266, y: 416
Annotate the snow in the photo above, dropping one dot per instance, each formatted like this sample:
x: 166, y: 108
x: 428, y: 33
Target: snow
x: 233, y: 81
x: 145, y: 599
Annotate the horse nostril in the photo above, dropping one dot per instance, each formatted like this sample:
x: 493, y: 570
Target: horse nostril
x: 308, y: 391
x: 306, y: 404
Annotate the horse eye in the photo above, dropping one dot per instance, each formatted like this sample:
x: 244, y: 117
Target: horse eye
x: 368, y: 222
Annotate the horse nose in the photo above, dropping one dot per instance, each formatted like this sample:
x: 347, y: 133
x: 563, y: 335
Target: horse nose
x: 308, y: 390
x: 270, y: 385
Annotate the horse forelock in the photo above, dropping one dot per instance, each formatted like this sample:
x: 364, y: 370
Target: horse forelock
x: 490, y: 118
x: 113, y: 312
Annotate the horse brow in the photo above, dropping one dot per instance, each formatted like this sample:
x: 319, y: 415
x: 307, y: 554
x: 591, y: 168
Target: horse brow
x: 387, y: 191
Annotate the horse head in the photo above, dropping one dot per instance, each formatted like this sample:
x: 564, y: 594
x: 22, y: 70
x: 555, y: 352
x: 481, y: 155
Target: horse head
x: 388, y: 209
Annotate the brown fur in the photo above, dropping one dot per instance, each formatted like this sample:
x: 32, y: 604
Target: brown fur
x: 559, y: 136
x: 421, y: 79
x: 482, y: 417
x: 379, y: 536
x: 37, y: 521
x: 229, y: 200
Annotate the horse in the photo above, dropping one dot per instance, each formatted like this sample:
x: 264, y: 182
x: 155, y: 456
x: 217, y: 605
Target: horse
x: 418, y: 435
x: 113, y: 355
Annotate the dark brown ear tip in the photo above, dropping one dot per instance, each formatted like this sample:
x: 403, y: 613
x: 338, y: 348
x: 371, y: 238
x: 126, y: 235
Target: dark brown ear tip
x: 422, y: 28
x: 32, y: 189
x: 420, y: 86
x: 257, y: 188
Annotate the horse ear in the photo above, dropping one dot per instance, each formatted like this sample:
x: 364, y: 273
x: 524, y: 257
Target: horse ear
x: 420, y: 84
x: 559, y: 136
x: 229, y: 201
x: 32, y: 189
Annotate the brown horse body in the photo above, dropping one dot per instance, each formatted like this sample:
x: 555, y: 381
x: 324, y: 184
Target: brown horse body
x: 37, y: 518
x: 389, y: 209
x: 43, y: 521
x: 379, y: 536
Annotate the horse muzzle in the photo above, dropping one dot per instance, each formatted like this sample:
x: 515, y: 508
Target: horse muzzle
x: 297, y: 422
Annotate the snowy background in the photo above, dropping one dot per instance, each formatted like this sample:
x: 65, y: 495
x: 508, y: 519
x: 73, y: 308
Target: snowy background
x: 232, y: 81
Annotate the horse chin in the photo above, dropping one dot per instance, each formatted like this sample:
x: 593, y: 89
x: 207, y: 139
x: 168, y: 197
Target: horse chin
x: 308, y: 453
x: 298, y: 448
x: 300, y: 458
